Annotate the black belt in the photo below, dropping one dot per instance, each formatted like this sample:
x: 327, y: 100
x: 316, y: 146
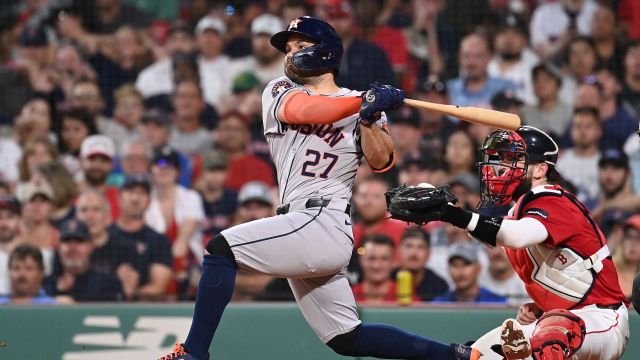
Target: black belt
x: 311, y: 203
x: 609, y: 307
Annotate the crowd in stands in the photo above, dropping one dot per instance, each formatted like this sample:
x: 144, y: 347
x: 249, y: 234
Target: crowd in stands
x: 131, y: 132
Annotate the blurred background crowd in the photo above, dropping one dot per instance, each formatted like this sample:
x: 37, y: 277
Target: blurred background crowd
x: 131, y: 131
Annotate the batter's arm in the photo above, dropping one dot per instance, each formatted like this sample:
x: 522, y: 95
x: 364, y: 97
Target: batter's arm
x: 298, y: 107
x: 377, y: 147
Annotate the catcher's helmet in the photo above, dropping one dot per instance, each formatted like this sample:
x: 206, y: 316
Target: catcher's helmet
x: 505, y: 156
x: 324, y: 56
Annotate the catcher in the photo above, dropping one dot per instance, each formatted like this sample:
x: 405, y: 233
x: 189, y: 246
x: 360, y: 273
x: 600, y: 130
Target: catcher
x: 578, y: 310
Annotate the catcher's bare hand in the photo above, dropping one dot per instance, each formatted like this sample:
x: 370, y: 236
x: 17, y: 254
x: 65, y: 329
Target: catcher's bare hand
x: 417, y: 204
x: 528, y: 313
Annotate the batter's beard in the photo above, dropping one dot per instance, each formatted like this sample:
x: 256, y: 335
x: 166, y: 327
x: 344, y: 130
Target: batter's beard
x: 299, y: 76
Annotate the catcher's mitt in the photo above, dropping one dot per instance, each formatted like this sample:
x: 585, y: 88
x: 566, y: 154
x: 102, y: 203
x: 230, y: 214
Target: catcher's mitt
x: 418, y: 204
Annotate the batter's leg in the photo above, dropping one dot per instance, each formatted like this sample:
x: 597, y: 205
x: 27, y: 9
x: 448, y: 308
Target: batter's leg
x: 214, y: 293
x: 329, y: 307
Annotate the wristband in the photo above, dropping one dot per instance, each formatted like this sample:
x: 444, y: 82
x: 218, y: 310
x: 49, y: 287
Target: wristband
x: 487, y: 229
x: 456, y: 216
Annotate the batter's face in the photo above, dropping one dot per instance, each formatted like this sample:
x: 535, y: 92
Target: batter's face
x: 296, y: 43
x: 377, y: 262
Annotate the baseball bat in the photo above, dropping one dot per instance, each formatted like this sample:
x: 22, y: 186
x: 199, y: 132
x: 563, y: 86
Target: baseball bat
x: 475, y: 115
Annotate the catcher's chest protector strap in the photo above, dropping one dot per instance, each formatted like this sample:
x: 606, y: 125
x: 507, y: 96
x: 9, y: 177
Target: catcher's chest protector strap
x: 563, y: 271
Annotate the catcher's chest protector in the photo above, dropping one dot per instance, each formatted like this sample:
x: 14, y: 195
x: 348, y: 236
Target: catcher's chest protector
x: 558, y: 277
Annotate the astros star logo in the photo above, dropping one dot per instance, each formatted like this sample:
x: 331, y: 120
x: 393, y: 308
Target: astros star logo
x: 294, y: 23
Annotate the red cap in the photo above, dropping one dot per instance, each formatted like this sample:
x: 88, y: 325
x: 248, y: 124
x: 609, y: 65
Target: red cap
x: 338, y: 8
x: 633, y: 221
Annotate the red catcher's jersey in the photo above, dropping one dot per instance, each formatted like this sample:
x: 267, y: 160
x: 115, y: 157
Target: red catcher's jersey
x: 568, y: 223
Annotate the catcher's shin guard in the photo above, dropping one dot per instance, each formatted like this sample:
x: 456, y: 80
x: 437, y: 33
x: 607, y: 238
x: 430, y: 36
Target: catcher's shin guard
x: 557, y: 336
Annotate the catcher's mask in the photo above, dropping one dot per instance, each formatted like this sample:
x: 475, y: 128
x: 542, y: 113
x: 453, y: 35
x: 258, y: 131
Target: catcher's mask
x: 503, y: 164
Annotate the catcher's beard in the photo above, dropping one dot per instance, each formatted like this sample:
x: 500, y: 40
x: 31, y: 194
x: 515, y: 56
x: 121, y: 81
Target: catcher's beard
x: 299, y: 76
x: 522, y: 188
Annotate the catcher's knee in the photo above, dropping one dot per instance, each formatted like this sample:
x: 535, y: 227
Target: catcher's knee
x: 559, y: 328
x: 218, y: 245
x: 344, y: 344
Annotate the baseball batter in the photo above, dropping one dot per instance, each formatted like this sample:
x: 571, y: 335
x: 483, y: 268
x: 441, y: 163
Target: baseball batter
x: 555, y: 246
x: 317, y: 134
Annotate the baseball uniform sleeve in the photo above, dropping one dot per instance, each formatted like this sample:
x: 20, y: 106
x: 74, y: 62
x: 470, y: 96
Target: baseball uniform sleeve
x: 553, y: 212
x: 272, y: 97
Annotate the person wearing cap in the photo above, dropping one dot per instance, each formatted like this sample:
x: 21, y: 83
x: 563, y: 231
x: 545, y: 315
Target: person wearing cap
x: 579, y: 164
x: 219, y: 202
x: 187, y: 134
x: 414, y: 253
x: 436, y: 128
x: 405, y: 132
x: 36, y: 229
x: 96, y: 156
x: 176, y: 212
x: 627, y: 255
x: 232, y: 137
x: 265, y: 61
x: 35, y: 56
x: 466, y: 187
x: 74, y: 276
x: 26, y: 271
x: 9, y: 235
x: 475, y: 87
x: 246, y: 97
x: 363, y: 62
x: 550, y: 113
x: 464, y: 269
x: 156, y: 129
x: 419, y: 168
x: 514, y: 59
x: 506, y: 101
x: 213, y: 64
x: 615, y: 188
x: 138, y: 255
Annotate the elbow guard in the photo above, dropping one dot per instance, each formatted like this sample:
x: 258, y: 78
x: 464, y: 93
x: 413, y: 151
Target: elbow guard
x: 486, y: 229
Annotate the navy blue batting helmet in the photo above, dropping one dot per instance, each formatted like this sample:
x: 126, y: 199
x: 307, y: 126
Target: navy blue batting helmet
x: 324, y: 56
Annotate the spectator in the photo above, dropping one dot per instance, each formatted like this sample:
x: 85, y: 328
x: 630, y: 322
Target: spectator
x: 35, y: 58
x: 414, y: 251
x: 406, y: 134
x: 85, y: 94
x: 129, y: 107
x: 232, y: 137
x: 74, y: 276
x: 156, y: 129
x: 213, y: 65
x: 176, y: 212
x: 466, y: 187
x: 97, y: 155
x: 436, y: 128
x: 293, y: 9
x: 464, y: 268
x: 35, y: 229
x: 421, y: 168
x: 501, y: 278
x: 391, y: 40
x: 26, y: 270
x: 265, y: 61
x: 187, y: 136
x: 36, y: 152
x: 579, y: 164
x: 363, y: 63
x: 137, y: 254
x: 631, y: 88
x: 550, y: 114
x: 219, y: 201
x: 11, y: 154
x: 601, y: 92
x: 615, y: 186
x: 76, y: 125
x: 608, y: 45
x: 514, y: 59
x: 505, y: 101
x: 377, y: 261
x: 9, y: 236
x: 70, y: 67
x: 371, y: 207
x: 106, y: 16
x: 460, y: 153
x: 158, y: 78
x: 581, y: 60
x: 255, y: 201
x: 63, y: 187
x: 92, y: 208
x: 246, y: 98
x: 475, y: 87
x: 33, y: 121
x: 553, y: 24
x: 627, y: 256
x: 136, y: 154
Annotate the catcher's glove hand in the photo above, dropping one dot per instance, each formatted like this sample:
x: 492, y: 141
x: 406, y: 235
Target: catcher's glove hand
x: 418, y: 204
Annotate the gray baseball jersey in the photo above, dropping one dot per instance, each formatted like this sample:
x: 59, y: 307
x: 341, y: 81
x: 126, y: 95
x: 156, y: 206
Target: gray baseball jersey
x: 310, y: 246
